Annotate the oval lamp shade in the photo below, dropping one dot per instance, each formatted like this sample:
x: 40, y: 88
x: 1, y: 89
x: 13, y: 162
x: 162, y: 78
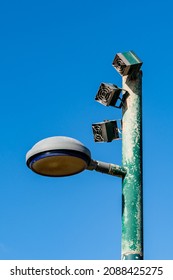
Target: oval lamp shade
x: 58, y: 156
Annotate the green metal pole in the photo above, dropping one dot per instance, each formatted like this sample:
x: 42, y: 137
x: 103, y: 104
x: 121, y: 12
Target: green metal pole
x: 132, y: 195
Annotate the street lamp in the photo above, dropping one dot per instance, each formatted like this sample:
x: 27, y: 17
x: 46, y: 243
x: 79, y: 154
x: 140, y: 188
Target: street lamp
x: 63, y: 156
x: 58, y: 156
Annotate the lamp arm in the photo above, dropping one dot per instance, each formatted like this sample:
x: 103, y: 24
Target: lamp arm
x: 107, y: 168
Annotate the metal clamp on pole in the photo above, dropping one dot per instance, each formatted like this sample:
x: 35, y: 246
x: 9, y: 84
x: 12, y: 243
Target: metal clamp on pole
x: 107, y: 168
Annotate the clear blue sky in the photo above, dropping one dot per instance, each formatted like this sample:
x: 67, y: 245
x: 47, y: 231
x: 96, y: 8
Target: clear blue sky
x: 54, y: 55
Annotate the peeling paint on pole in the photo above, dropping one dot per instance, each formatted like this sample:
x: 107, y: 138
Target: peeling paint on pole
x: 132, y: 208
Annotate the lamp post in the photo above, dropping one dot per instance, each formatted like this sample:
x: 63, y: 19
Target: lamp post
x: 128, y: 65
x: 63, y: 156
x: 132, y: 208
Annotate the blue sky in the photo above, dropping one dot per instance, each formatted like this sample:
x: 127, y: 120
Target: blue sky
x: 54, y: 55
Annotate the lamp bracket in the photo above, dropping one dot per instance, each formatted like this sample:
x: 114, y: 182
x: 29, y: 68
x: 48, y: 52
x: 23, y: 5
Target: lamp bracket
x: 123, y: 99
